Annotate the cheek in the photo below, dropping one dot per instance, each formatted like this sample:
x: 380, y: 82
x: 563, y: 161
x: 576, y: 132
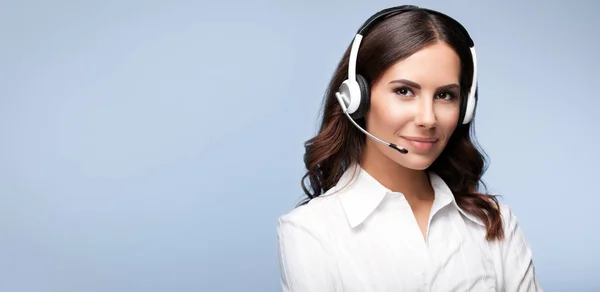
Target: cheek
x: 448, y: 120
x: 383, y: 113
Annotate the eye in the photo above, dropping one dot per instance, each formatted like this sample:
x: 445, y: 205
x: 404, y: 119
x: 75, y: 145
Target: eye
x: 403, y: 91
x: 446, y: 95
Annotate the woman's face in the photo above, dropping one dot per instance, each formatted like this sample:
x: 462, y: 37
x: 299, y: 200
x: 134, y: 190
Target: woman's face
x: 415, y: 104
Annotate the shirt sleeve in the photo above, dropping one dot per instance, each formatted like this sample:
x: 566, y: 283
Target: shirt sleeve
x: 304, y: 263
x: 519, y: 270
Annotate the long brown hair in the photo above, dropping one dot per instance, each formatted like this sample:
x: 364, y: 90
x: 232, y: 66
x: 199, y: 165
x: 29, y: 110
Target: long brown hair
x: 339, y: 144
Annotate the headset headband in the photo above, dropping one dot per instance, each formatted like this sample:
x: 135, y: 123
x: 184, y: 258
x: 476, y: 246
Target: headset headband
x: 389, y: 12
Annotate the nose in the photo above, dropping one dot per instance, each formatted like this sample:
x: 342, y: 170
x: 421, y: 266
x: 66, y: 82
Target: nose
x: 425, y: 116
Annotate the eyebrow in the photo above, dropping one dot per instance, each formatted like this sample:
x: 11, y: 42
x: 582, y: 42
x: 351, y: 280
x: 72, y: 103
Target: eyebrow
x: 417, y: 86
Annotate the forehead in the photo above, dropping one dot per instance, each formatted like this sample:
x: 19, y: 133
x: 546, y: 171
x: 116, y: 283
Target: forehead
x: 434, y: 65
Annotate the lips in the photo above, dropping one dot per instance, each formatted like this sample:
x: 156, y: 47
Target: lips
x: 421, y: 143
x: 421, y: 139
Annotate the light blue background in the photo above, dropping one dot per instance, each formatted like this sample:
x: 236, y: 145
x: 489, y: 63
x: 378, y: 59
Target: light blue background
x: 151, y: 145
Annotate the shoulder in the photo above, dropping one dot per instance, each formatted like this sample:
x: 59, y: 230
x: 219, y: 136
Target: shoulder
x: 304, y: 253
x: 514, y: 236
x: 311, y: 215
x: 317, y: 219
x: 509, y: 218
x: 304, y: 235
x: 506, y: 213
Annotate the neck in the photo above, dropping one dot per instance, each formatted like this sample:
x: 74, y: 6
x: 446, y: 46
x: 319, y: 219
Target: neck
x: 413, y: 184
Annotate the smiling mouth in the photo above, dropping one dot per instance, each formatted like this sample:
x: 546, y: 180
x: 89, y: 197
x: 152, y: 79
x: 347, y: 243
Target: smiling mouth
x: 421, y: 139
x: 421, y: 143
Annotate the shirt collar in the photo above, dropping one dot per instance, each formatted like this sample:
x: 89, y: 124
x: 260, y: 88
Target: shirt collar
x: 360, y: 194
x: 443, y: 192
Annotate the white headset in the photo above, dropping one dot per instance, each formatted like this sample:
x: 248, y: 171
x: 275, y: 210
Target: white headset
x: 354, y: 92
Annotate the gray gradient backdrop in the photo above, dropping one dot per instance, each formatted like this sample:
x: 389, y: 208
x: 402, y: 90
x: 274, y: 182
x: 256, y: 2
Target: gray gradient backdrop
x: 151, y: 145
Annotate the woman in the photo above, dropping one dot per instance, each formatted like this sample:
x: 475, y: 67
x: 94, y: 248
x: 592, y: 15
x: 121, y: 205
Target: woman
x: 393, y: 175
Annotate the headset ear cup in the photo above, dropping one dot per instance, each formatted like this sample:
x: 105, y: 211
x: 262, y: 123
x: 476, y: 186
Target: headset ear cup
x: 463, y: 107
x: 365, y: 97
x: 467, y: 109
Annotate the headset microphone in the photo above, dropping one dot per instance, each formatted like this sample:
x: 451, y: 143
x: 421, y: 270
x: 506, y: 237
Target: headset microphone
x: 353, y: 94
x: 345, y: 110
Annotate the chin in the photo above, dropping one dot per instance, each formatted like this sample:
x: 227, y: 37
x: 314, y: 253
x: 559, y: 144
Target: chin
x: 414, y: 161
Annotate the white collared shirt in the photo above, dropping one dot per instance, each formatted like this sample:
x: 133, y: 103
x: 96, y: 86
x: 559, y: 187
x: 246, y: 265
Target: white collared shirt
x: 363, y: 238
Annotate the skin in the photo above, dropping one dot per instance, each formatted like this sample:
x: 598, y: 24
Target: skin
x: 400, y: 111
